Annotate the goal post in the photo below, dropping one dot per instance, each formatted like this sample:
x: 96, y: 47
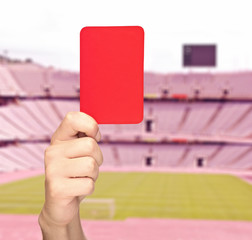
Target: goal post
x: 97, y: 208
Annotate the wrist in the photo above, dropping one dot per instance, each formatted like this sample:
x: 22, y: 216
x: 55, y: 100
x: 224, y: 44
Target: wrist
x: 52, y: 230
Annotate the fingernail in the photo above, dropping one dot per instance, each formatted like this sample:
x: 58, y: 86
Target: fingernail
x: 98, y: 136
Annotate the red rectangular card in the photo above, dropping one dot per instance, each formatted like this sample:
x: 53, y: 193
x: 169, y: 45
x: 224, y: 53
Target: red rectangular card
x: 111, y: 73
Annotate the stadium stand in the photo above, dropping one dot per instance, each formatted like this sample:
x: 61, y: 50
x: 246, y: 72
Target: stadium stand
x: 30, y: 156
x: 190, y: 119
x: 177, y: 155
x: 231, y: 85
x: 8, y: 86
x: 195, y: 119
x: 63, y: 83
x: 21, y: 156
x: 30, y: 77
x: 17, y: 79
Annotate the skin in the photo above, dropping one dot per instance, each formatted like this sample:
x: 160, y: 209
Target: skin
x: 72, y: 163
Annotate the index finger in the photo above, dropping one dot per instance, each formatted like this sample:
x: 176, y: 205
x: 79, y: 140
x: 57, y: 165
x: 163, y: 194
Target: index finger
x: 75, y: 122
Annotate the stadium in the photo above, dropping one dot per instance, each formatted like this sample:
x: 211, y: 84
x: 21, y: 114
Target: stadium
x: 184, y: 172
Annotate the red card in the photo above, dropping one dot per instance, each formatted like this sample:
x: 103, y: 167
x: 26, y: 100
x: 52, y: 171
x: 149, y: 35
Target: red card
x: 111, y: 73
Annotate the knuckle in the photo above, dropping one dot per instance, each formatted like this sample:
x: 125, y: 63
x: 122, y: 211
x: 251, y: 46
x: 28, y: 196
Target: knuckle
x: 90, y: 144
x: 90, y: 186
x: 48, y: 153
x: 96, y: 175
x: 54, y: 141
x: 52, y: 138
x: 94, y: 127
x: 69, y: 117
x: 51, y: 153
x: 101, y: 160
x: 91, y: 165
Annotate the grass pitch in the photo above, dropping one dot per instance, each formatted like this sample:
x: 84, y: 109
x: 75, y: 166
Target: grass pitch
x: 147, y: 195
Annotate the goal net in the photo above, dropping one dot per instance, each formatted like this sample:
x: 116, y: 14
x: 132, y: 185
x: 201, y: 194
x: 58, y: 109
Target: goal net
x: 98, y: 208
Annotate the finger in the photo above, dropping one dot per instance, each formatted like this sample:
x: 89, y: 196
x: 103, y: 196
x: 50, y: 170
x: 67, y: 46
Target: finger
x: 97, y: 137
x: 78, y: 186
x: 80, y: 167
x: 75, y: 122
x: 82, y: 147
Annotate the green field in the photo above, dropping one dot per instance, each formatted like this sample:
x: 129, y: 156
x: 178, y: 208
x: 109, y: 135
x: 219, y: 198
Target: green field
x: 148, y: 195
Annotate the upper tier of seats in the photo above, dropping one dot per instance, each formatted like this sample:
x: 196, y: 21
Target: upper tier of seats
x: 32, y: 80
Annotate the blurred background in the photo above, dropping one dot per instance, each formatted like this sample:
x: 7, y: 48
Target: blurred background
x: 184, y: 172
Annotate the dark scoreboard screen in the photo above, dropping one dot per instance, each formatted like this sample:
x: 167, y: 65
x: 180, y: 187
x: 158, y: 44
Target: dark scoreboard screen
x: 199, y: 55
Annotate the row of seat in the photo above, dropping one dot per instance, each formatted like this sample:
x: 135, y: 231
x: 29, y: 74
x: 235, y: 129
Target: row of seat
x: 38, y: 119
x: 29, y: 79
x: 22, y: 157
x: 228, y: 85
x: 169, y: 155
x: 30, y: 156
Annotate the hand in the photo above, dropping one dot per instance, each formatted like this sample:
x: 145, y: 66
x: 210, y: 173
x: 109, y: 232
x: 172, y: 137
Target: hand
x: 71, y: 168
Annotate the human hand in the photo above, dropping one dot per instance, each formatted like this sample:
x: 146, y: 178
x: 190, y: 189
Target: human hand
x: 71, y: 168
